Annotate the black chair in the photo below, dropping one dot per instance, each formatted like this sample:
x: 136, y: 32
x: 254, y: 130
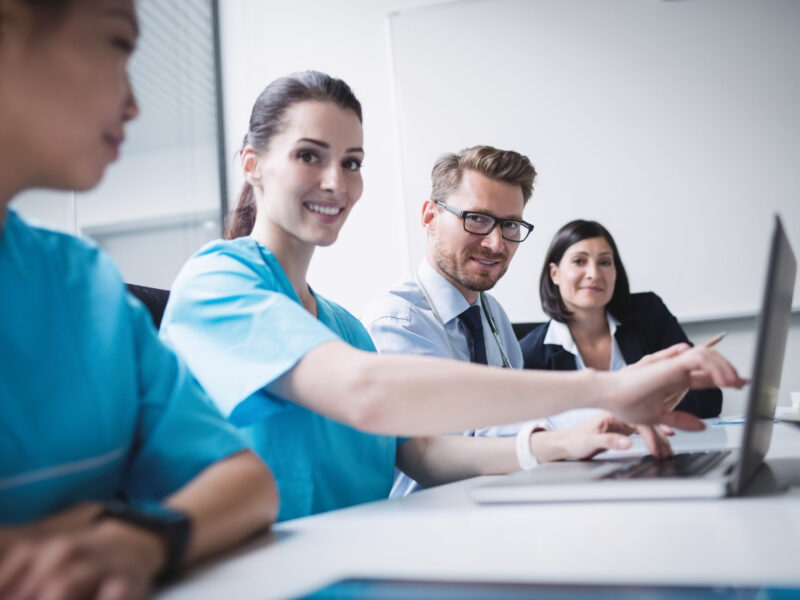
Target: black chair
x: 522, y: 329
x: 153, y: 298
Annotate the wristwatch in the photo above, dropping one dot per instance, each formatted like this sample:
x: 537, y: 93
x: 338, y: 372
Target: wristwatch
x: 172, y: 526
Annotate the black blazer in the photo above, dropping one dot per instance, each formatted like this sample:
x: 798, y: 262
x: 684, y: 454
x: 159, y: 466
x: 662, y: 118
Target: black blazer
x: 649, y: 327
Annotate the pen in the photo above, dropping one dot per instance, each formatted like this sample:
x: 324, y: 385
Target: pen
x: 716, y: 339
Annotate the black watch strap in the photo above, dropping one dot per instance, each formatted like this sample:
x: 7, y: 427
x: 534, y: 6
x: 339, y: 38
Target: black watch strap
x: 172, y: 526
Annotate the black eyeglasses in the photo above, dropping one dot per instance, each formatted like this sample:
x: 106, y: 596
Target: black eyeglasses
x: 482, y: 224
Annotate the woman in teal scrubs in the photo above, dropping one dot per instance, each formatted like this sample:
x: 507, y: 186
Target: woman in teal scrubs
x: 114, y: 464
x: 298, y: 374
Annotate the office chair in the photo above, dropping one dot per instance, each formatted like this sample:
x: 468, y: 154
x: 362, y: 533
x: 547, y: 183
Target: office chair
x: 153, y: 298
x: 522, y: 329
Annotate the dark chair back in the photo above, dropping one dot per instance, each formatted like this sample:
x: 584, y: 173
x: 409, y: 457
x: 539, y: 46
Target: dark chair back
x: 523, y: 329
x: 153, y: 298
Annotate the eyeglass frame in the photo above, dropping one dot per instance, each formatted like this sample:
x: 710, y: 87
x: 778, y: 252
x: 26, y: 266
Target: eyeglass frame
x: 464, y: 214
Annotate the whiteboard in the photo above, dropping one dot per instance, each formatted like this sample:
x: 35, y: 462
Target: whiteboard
x: 674, y: 123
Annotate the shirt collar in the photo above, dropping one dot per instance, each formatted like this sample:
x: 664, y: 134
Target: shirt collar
x: 558, y: 334
x: 449, y: 301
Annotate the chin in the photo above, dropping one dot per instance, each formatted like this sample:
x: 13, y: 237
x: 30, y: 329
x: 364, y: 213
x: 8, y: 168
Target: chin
x: 326, y: 240
x: 85, y: 178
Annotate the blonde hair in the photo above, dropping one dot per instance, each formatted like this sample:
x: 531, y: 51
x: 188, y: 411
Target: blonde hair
x: 500, y: 165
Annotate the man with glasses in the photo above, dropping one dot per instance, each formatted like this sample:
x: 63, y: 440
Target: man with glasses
x: 474, y: 224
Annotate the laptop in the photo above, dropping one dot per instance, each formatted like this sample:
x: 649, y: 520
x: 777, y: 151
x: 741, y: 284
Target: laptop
x: 708, y: 474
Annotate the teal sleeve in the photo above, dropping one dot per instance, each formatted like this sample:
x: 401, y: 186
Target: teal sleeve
x: 238, y: 332
x: 180, y: 432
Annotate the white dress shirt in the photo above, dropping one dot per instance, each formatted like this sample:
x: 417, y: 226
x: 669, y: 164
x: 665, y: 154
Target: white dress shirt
x: 558, y: 334
x: 401, y: 321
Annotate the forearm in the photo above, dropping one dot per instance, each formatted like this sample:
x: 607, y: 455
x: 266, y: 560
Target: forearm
x: 441, y: 459
x: 411, y: 395
x: 229, y: 501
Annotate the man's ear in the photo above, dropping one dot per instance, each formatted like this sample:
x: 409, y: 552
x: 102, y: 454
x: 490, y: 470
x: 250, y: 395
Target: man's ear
x: 251, y: 166
x: 428, y: 215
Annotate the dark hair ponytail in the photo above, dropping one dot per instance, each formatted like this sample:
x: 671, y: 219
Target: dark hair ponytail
x: 268, y: 119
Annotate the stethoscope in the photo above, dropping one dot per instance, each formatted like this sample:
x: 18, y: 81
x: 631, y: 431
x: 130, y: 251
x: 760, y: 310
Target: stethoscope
x: 486, y: 312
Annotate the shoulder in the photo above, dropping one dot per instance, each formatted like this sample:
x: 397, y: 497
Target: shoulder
x: 645, y: 308
x: 77, y: 264
x: 402, y: 303
x: 77, y: 256
x: 533, y: 341
x: 646, y: 302
x: 540, y: 355
x: 227, y: 254
x: 229, y: 266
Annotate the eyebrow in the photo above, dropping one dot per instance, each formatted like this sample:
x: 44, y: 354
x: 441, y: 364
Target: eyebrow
x: 584, y: 253
x: 489, y: 214
x: 125, y: 15
x: 326, y: 145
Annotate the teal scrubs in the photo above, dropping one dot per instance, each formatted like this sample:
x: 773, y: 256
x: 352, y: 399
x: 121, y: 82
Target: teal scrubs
x: 91, y: 402
x: 235, y: 318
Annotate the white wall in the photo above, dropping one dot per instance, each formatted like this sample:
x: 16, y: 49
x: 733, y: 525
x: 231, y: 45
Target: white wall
x: 675, y: 124
x: 350, y: 38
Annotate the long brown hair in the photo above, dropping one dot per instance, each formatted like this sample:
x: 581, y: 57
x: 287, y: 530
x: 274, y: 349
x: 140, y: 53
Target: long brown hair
x: 267, y: 119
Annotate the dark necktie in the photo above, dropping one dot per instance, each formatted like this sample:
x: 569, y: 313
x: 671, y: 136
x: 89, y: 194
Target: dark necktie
x: 477, y: 347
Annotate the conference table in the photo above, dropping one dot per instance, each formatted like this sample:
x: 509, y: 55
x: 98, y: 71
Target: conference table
x: 440, y: 534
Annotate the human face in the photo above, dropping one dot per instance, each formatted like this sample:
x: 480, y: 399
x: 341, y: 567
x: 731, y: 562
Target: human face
x: 586, y: 275
x: 472, y: 263
x: 309, y: 178
x: 65, y: 95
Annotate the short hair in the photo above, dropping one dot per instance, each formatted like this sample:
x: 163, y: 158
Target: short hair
x: 500, y: 165
x: 572, y: 233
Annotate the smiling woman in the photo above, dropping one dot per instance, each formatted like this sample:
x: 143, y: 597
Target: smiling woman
x: 596, y: 322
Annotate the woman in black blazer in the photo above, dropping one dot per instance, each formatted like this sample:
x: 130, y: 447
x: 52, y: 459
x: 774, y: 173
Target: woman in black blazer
x: 596, y: 321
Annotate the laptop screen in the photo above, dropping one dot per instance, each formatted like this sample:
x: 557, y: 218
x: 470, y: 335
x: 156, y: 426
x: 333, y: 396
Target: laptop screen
x: 773, y: 327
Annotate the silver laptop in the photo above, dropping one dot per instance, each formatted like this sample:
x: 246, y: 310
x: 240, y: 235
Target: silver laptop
x: 707, y: 474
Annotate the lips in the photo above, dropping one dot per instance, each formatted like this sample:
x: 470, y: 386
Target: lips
x: 488, y: 261
x: 327, y: 210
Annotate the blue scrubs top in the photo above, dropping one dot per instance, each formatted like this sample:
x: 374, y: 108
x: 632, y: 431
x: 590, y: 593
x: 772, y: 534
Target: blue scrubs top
x: 91, y: 402
x: 236, y: 319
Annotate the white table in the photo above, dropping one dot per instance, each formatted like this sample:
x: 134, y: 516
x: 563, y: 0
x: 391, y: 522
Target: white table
x: 440, y: 533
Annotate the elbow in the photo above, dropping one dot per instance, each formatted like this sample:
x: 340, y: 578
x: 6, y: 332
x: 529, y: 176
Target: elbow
x: 269, y: 499
x: 263, y: 500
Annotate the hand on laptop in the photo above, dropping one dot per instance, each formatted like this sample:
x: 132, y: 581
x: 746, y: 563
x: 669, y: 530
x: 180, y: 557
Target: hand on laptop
x: 598, y: 434
x: 648, y: 391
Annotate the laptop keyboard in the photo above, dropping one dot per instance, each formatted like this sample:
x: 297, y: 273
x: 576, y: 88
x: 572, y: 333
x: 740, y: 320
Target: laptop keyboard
x: 685, y: 464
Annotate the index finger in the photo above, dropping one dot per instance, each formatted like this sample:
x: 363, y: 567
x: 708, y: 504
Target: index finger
x: 673, y: 350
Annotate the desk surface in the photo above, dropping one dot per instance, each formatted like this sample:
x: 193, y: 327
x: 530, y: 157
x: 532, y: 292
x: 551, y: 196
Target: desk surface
x: 440, y: 533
